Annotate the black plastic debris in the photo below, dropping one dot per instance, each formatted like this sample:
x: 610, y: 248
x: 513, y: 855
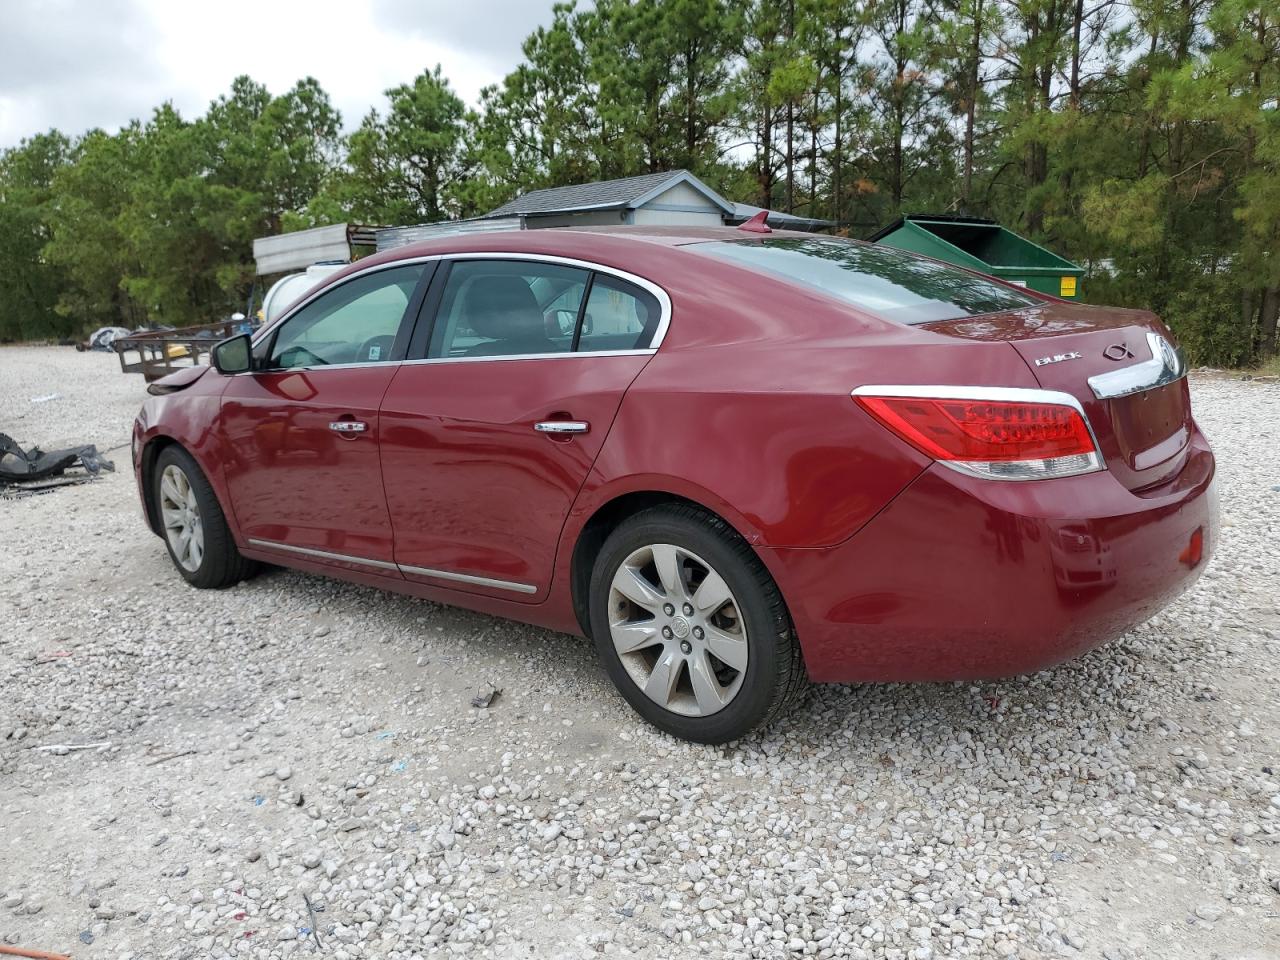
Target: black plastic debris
x: 26, y: 468
x: 484, y: 699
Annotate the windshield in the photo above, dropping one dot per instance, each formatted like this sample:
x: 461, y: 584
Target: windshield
x: 890, y: 283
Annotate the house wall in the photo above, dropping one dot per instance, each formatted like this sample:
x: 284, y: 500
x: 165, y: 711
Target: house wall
x: 682, y: 205
x: 678, y: 218
x: 582, y: 218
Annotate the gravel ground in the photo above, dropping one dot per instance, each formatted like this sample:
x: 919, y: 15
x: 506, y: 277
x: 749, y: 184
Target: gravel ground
x: 295, y: 767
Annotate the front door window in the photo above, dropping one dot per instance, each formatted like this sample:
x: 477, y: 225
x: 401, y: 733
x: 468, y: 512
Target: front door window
x: 354, y: 323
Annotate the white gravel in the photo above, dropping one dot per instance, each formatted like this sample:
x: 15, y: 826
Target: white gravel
x: 297, y: 748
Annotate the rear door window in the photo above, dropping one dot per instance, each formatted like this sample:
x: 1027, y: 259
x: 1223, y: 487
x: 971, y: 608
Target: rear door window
x: 522, y: 308
x: 889, y: 283
x: 619, y: 316
x: 507, y: 308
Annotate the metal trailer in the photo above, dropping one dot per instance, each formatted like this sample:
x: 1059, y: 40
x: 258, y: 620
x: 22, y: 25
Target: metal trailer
x: 161, y: 352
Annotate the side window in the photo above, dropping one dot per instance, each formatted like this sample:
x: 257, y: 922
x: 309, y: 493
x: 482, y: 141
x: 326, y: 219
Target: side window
x: 355, y: 322
x: 619, y: 316
x: 504, y: 308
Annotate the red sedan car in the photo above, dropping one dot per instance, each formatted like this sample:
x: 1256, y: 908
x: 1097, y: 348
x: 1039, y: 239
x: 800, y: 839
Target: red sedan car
x: 738, y: 461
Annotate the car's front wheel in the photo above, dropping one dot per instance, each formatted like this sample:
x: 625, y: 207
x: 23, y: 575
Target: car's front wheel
x: 195, y: 530
x: 691, y: 627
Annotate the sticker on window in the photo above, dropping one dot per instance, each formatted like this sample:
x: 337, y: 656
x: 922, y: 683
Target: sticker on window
x: 375, y: 353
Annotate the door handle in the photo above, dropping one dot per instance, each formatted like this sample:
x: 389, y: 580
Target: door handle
x: 348, y: 426
x: 562, y: 426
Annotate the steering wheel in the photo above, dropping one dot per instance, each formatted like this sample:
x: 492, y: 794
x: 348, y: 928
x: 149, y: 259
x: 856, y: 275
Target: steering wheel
x: 380, y: 340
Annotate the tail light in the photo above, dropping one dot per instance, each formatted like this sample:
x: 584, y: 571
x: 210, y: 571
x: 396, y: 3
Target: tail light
x: 1000, y: 433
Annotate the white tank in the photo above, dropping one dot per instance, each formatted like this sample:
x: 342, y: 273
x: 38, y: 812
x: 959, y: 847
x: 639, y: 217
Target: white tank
x: 287, y: 290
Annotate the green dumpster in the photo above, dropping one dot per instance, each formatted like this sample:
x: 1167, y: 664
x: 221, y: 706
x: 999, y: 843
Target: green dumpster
x: 985, y: 246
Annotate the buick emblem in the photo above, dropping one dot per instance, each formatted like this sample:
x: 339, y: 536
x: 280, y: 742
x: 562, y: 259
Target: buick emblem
x: 1118, y: 351
x: 1058, y: 358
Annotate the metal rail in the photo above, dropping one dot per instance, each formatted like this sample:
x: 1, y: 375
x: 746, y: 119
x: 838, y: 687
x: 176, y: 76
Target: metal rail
x: 161, y: 352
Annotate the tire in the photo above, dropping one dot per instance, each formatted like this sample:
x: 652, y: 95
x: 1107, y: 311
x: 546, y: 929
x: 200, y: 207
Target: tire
x: 761, y: 676
x: 194, y: 508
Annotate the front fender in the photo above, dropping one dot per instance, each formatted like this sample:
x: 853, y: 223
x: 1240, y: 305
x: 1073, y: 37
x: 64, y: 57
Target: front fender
x: 190, y: 419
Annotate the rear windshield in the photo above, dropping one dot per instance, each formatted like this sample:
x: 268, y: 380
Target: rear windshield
x: 890, y: 283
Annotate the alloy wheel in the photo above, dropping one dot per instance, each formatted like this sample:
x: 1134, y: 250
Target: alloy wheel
x: 677, y: 629
x: 181, y: 514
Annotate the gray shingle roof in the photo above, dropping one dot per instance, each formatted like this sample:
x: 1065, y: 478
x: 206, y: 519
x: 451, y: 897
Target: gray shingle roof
x: 602, y: 195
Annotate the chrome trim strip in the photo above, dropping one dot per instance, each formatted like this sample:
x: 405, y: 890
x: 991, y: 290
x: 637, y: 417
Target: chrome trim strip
x: 563, y: 355
x: 401, y: 568
x: 327, y: 366
x: 664, y: 303
x: 957, y: 392
x: 469, y: 578
x: 323, y: 554
x: 1091, y: 462
x: 1167, y: 365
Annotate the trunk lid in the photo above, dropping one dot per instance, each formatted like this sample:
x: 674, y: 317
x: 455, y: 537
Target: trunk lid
x: 1120, y: 365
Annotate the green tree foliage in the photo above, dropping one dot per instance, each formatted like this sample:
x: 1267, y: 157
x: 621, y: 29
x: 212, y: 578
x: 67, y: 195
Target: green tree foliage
x: 29, y: 282
x: 404, y: 167
x: 1140, y: 138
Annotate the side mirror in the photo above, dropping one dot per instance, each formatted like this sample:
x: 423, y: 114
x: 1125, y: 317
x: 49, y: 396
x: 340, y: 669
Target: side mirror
x: 233, y: 355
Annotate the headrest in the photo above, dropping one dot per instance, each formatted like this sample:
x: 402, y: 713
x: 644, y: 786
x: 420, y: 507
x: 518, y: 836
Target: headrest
x: 502, y: 307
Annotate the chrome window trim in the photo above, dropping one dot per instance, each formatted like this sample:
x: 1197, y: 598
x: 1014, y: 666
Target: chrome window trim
x: 564, y: 355
x: 664, y: 308
x: 401, y: 568
x: 1168, y: 364
x: 368, y: 271
x: 328, y: 366
x: 1092, y: 462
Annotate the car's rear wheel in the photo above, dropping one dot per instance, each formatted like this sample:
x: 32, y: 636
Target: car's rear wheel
x: 690, y: 626
x: 194, y: 528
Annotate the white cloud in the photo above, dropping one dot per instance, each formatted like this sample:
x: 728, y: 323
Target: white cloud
x: 80, y: 65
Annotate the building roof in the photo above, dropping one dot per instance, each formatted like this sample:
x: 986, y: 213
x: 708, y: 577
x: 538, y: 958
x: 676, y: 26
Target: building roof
x: 745, y: 211
x: 627, y: 193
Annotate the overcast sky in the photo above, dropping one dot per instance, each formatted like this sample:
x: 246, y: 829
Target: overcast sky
x: 100, y: 63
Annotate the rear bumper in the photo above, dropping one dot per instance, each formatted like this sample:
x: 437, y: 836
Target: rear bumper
x: 960, y: 578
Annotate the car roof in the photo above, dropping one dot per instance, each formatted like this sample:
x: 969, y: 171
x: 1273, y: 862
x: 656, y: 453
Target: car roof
x: 678, y: 236
x: 644, y: 250
x: 559, y: 240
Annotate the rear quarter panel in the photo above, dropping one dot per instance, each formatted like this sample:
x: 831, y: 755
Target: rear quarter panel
x: 746, y: 408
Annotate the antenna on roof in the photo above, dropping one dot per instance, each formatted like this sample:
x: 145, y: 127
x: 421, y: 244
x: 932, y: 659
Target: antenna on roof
x: 757, y: 223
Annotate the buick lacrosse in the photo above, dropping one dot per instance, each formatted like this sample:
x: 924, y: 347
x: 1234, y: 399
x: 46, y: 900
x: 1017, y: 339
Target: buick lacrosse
x: 738, y: 461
